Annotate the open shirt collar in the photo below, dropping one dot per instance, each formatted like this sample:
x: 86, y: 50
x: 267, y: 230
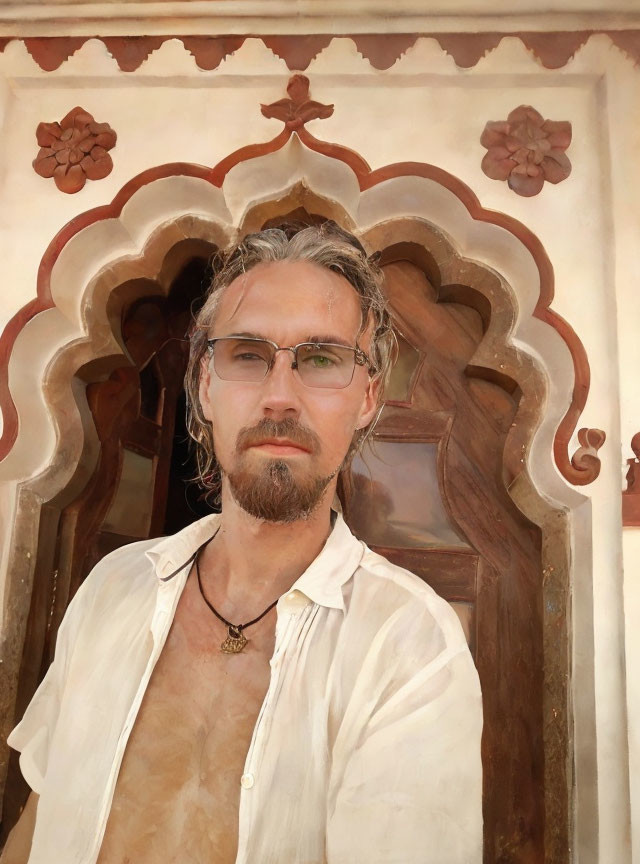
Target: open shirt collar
x: 321, y: 582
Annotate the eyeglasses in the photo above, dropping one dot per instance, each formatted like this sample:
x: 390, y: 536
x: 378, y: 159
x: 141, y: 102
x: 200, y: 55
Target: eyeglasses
x: 319, y: 364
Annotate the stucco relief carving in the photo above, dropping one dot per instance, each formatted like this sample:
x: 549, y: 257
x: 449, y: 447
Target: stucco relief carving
x: 631, y: 495
x: 553, y: 49
x: 578, y: 473
x: 525, y: 150
x: 586, y: 456
x: 74, y: 150
x: 298, y: 109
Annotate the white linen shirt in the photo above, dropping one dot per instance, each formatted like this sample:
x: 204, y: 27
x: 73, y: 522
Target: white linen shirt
x: 367, y: 745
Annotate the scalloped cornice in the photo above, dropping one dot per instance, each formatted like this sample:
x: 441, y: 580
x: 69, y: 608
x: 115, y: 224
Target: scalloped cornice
x: 553, y: 49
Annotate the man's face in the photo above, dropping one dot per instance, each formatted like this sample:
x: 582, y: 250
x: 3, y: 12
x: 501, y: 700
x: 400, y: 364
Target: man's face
x: 279, y: 442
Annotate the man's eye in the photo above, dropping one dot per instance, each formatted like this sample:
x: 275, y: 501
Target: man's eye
x: 247, y: 357
x: 321, y: 362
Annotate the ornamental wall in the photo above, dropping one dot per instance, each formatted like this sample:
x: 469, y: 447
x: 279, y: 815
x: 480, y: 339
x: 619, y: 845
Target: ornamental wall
x: 177, y: 101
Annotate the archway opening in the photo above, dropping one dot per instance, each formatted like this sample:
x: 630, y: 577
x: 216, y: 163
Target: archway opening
x: 133, y: 409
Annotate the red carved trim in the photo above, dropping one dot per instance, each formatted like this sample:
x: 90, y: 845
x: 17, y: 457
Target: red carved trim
x: 50, y: 53
x: 298, y: 109
x: 251, y: 151
x: 209, y: 53
x: 130, y: 52
x: 631, y: 495
x: 579, y: 474
x: 553, y: 48
x: 627, y: 41
x: 382, y: 50
x: 297, y: 51
x: 586, y: 456
x: 468, y: 48
x: 7, y: 341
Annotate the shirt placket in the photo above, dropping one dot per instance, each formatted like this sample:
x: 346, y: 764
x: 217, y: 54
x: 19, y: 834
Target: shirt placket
x: 249, y: 782
x: 166, y: 602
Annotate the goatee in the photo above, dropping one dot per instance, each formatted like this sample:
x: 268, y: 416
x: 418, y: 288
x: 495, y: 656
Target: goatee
x: 272, y: 492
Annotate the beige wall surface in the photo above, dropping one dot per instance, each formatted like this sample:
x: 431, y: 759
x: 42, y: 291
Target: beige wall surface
x: 423, y: 108
x: 207, y: 17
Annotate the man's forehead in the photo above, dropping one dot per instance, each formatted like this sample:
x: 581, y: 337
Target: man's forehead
x: 293, y: 291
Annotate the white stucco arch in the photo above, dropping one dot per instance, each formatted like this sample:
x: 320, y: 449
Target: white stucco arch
x: 54, y: 344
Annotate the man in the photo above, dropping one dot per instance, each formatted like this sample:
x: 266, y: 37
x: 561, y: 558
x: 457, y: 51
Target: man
x: 261, y: 687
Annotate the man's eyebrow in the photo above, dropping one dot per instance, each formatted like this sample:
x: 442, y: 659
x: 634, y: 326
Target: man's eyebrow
x: 244, y: 335
x: 332, y: 339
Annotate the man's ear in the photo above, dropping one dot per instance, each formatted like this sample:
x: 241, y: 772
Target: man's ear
x: 203, y: 387
x: 370, y: 406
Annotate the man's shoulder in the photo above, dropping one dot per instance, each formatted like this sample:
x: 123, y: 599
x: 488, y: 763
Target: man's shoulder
x: 123, y: 582
x: 128, y: 563
x: 143, y: 563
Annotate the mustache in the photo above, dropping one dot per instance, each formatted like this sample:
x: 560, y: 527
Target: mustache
x: 287, y: 428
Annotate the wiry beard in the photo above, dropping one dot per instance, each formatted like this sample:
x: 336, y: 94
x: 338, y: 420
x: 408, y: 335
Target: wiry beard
x: 272, y: 492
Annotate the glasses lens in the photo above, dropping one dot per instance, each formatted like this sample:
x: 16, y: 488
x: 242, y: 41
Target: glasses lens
x: 323, y: 365
x: 242, y: 359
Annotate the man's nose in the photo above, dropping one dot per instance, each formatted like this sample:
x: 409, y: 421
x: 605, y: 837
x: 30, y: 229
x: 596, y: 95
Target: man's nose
x: 281, y: 387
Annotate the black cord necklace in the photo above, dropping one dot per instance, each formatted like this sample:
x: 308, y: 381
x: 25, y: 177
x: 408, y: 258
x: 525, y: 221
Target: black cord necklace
x: 236, y: 640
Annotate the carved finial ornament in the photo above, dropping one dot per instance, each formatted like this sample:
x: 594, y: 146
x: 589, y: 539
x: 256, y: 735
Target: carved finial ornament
x: 525, y: 150
x: 298, y: 109
x: 586, y: 456
x: 631, y: 495
x: 74, y: 150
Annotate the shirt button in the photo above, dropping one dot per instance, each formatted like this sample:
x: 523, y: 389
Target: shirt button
x: 247, y: 781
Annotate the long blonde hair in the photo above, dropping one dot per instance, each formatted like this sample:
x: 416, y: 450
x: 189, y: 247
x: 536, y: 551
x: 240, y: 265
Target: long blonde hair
x: 326, y: 245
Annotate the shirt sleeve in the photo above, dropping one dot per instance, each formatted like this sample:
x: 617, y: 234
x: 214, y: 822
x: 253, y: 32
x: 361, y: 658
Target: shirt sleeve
x: 33, y: 735
x: 411, y: 790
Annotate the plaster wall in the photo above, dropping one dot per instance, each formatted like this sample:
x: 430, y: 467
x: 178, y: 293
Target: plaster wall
x: 426, y: 109
x: 206, y: 17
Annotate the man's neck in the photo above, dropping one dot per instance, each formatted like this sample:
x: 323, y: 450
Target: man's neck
x: 251, y: 561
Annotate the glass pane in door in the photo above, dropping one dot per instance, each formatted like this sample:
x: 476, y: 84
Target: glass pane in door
x: 395, y: 499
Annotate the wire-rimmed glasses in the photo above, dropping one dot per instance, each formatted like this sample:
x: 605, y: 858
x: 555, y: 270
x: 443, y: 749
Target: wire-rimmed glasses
x: 318, y: 364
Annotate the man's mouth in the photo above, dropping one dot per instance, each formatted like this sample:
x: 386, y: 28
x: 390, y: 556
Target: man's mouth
x: 278, y: 438
x: 279, y: 446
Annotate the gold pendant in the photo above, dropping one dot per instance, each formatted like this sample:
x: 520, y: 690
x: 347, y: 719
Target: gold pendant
x: 235, y: 641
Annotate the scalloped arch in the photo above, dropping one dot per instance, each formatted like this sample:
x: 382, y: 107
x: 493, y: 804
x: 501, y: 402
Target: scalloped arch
x: 226, y: 192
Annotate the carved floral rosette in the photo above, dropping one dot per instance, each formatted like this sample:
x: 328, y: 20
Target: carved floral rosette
x: 525, y: 150
x: 74, y: 150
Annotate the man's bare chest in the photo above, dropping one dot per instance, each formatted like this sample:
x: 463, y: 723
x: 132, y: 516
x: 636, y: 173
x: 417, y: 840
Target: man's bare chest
x: 178, y: 791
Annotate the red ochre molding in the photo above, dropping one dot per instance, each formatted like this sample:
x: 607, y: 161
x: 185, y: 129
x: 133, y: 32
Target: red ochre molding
x: 298, y: 108
x: 579, y: 472
x: 553, y: 48
x: 631, y: 495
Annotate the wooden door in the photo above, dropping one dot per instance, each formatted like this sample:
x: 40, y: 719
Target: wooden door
x: 429, y: 494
